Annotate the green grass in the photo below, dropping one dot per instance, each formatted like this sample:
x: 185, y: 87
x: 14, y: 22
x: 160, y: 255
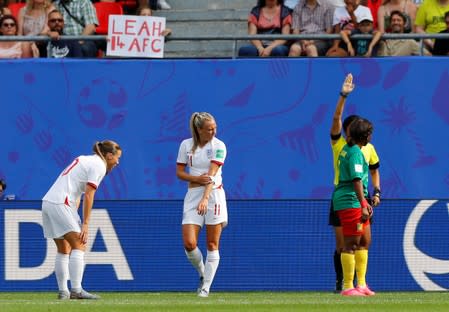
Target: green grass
x: 225, y: 301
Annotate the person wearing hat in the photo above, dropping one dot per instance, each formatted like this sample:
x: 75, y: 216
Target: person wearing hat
x: 362, y: 47
x: 345, y: 18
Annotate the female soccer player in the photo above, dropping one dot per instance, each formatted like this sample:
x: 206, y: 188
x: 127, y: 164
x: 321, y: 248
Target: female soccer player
x: 61, y: 221
x: 205, y: 201
x: 350, y: 202
x: 338, y: 141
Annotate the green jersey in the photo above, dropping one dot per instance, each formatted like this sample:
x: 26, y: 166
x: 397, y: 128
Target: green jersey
x: 352, y: 165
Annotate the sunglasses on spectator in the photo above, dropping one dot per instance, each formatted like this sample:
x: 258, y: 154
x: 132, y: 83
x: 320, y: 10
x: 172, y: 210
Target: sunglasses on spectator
x: 9, y: 25
x: 54, y: 20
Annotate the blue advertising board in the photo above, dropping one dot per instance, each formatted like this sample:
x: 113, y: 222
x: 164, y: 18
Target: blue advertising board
x: 268, y: 245
x: 273, y: 114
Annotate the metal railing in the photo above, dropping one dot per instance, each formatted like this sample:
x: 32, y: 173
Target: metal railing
x: 236, y: 39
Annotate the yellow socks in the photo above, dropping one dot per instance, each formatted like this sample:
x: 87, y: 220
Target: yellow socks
x: 348, y: 264
x: 361, y: 264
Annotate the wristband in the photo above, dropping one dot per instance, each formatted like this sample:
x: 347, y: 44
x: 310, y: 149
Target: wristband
x: 212, y: 179
x: 364, y: 203
x: 344, y: 95
x: 376, y: 192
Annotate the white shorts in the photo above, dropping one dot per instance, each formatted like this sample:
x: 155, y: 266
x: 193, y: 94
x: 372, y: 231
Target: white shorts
x: 217, y: 211
x: 59, y: 219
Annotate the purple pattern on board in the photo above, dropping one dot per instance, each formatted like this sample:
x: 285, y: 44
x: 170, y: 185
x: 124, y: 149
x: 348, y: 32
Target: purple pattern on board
x: 279, y: 68
x: 395, y: 75
x: 117, y: 120
x: 29, y: 78
x: 153, y: 81
x: 398, y: 116
x: 43, y: 140
x: 366, y: 71
x: 92, y: 115
x: 440, y: 97
x: 321, y: 192
x: 294, y: 174
x: 62, y: 156
x: 165, y: 176
x: 242, y: 98
x: 117, y: 99
x: 13, y: 156
x: 25, y: 123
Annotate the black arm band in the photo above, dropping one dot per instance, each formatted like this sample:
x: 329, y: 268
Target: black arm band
x: 342, y: 94
x: 376, y: 192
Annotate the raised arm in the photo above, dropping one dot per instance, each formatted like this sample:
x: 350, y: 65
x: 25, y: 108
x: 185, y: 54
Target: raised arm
x: 346, y: 89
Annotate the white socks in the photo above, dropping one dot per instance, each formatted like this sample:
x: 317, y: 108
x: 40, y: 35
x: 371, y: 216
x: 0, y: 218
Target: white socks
x: 212, y: 261
x: 76, y: 269
x: 62, y: 271
x: 196, y: 259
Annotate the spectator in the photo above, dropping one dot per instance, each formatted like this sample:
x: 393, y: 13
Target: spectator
x: 33, y: 17
x: 362, y: 47
x: 311, y: 17
x: 32, y: 21
x: 345, y: 18
x: 12, y: 49
x: 155, y: 4
x: 2, y: 192
x: 146, y: 11
x: 268, y: 17
x: 291, y: 4
x: 57, y: 48
x: 2, y: 189
x: 80, y: 20
x: 430, y: 19
x: 406, y: 7
x: 441, y: 46
x: 399, y: 47
x: 373, y: 5
x: 335, y: 3
x: 4, y: 10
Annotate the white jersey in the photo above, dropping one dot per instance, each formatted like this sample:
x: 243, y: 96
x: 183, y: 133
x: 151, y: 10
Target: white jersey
x: 70, y: 185
x: 199, y: 161
x: 342, y: 17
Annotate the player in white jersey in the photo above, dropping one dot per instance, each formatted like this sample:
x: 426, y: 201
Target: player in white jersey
x: 205, y: 201
x: 61, y: 220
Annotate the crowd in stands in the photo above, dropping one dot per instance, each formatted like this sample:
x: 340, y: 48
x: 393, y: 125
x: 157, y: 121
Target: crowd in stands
x: 347, y: 18
x: 55, y: 19
x: 344, y: 17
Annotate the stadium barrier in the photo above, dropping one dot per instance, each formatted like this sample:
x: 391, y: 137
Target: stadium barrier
x: 236, y: 39
x: 268, y: 245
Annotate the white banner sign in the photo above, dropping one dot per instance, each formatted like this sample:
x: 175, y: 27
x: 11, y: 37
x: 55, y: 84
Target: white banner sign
x: 135, y: 36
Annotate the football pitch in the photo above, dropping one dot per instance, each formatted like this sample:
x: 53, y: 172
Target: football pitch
x: 228, y: 301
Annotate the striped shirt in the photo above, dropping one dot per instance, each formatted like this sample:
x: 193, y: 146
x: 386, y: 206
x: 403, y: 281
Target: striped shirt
x: 83, y: 10
x: 315, y: 20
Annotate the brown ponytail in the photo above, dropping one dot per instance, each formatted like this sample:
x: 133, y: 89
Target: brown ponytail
x: 104, y: 147
x: 197, y: 122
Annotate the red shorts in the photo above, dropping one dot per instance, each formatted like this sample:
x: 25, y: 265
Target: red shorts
x: 351, y: 221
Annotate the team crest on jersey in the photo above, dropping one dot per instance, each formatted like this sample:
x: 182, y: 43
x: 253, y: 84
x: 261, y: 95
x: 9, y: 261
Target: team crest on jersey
x: 209, y: 153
